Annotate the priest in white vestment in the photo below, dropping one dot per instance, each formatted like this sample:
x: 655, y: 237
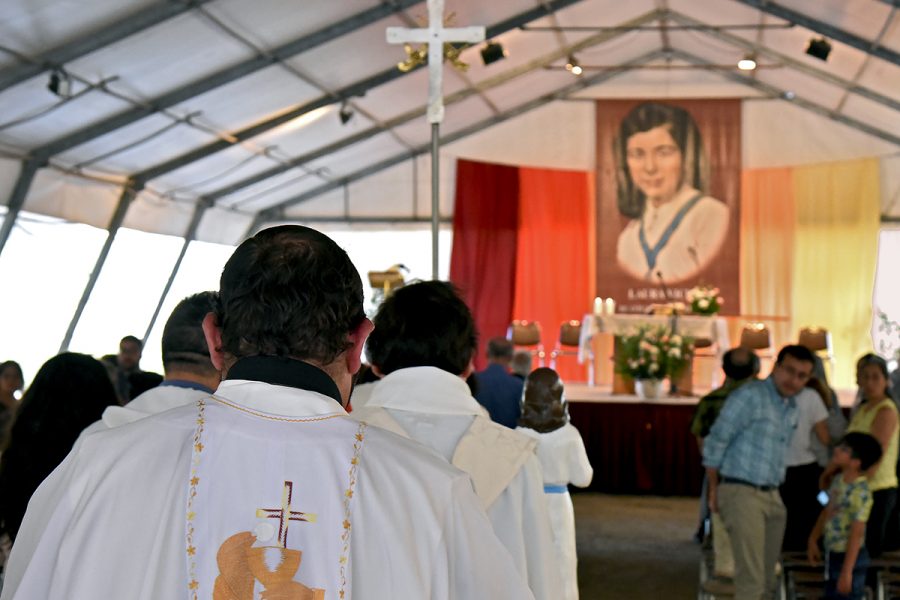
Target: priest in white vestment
x: 189, y: 373
x: 266, y: 488
x: 423, y: 345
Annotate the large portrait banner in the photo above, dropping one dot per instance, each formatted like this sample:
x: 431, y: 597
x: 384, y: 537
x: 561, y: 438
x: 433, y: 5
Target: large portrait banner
x: 668, y: 200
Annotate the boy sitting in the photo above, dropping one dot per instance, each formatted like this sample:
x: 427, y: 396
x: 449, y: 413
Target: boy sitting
x: 844, y: 519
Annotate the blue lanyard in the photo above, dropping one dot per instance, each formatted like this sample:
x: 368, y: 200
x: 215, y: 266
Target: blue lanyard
x: 651, y: 254
x: 190, y: 385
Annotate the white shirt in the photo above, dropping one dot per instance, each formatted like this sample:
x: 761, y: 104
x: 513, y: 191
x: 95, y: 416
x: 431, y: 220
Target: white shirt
x: 153, y: 401
x: 437, y: 409
x: 693, y: 245
x: 563, y: 457
x: 810, y: 410
x: 142, y: 511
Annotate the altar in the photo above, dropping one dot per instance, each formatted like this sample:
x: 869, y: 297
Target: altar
x: 635, y: 446
x: 599, y: 332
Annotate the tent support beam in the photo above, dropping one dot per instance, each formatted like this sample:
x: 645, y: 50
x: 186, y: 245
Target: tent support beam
x: 129, y: 192
x: 487, y: 84
x: 138, y: 21
x: 189, y: 235
x: 825, y: 29
x: 17, y: 199
x: 356, y: 89
x: 227, y: 75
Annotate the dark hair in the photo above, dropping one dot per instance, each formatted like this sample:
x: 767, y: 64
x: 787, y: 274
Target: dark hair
x: 183, y: 343
x: 425, y: 324
x: 869, y: 360
x: 69, y: 392
x: 289, y: 291
x: 684, y: 132
x: 11, y: 364
x: 499, y: 347
x: 544, y: 407
x: 863, y: 447
x: 797, y: 352
x: 141, y: 381
x: 133, y: 340
x: 740, y: 363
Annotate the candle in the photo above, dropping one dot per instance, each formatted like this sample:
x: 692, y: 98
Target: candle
x: 598, y: 305
x: 610, y: 306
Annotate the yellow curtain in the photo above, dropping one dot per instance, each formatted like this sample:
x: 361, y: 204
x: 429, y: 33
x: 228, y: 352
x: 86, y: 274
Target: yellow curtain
x: 835, y: 248
x: 767, y: 238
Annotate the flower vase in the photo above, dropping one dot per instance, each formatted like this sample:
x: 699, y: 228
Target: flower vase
x: 649, y: 389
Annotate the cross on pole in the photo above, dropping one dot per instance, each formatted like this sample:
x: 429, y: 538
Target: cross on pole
x: 285, y: 514
x: 436, y: 35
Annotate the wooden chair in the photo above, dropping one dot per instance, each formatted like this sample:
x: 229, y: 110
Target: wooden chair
x: 568, y: 345
x: 818, y: 340
x: 756, y: 337
x: 526, y: 335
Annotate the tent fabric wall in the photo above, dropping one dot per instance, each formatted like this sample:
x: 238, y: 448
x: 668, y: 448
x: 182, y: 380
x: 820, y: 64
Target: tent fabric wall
x: 485, y: 230
x: 836, y: 246
x: 554, y: 275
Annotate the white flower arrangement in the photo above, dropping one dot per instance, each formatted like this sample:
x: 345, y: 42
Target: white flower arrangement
x: 704, y: 300
x: 653, y: 352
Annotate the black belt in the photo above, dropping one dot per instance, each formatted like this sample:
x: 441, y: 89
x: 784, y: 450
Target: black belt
x: 736, y: 481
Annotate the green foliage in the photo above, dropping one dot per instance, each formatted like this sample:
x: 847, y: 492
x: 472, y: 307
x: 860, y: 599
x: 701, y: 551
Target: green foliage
x: 653, y: 352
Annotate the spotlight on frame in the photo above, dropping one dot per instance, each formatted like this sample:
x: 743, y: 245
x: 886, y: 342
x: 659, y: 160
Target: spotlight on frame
x: 819, y: 48
x: 748, y: 63
x: 573, y: 66
x: 345, y: 114
x: 492, y: 52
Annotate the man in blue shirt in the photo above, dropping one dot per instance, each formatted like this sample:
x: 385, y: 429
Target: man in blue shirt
x: 744, y: 459
x: 498, y: 391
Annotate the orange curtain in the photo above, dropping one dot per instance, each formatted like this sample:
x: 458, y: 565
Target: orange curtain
x: 768, y: 222
x: 554, y: 279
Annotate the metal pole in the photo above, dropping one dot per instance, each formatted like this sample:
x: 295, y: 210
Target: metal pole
x: 435, y: 196
x: 128, y: 194
x: 17, y: 199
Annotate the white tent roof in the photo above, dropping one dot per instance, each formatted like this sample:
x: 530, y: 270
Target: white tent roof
x: 233, y: 106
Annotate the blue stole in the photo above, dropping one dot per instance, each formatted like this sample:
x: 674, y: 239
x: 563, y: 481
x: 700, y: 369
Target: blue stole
x: 652, y: 253
x: 555, y: 489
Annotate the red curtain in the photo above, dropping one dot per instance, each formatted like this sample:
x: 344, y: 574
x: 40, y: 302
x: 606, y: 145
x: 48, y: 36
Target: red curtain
x: 554, y: 276
x: 483, y: 261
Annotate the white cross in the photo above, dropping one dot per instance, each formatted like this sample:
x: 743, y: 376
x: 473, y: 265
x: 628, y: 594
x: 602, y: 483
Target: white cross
x: 435, y: 36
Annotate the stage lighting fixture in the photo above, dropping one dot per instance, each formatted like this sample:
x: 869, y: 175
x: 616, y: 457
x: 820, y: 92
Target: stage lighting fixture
x: 819, y: 48
x: 748, y: 63
x: 346, y: 113
x: 60, y: 83
x: 573, y: 66
x: 492, y: 52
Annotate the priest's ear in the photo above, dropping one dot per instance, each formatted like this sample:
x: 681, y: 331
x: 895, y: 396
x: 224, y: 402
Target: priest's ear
x: 213, y: 335
x: 357, y: 338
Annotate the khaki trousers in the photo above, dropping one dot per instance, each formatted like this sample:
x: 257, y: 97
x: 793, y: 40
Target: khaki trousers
x: 755, y: 522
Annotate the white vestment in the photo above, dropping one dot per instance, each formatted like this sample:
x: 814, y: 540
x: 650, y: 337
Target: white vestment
x: 153, y: 401
x: 564, y: 461
x: 437, y: 409
x: 690, y: 247
x: 204, y: 501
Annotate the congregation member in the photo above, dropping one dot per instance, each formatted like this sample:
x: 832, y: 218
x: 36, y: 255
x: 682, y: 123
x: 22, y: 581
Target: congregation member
x: 802, y: 472
x: 11, y: 382
x: 564, y: 461
x: 744, y: 455
x: 189, y: 373
x: 499, y: 391
x: 268, y: 487
x: 740, y: 365
x: 422, y: 346
x: 844, y: 519
x: 69, y: 392
x: 877, y: 416
x: 127, y: 365
x: 522, y: 362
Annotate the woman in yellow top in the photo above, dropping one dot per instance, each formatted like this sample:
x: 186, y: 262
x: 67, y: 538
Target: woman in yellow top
x: 877, y: 416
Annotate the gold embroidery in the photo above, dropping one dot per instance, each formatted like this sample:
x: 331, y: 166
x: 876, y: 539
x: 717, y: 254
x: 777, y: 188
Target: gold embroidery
x: 194, y: 585
x: 241, y: 565
x: 284, y: 514
x: 274, y: 418
x: 348, y: 496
